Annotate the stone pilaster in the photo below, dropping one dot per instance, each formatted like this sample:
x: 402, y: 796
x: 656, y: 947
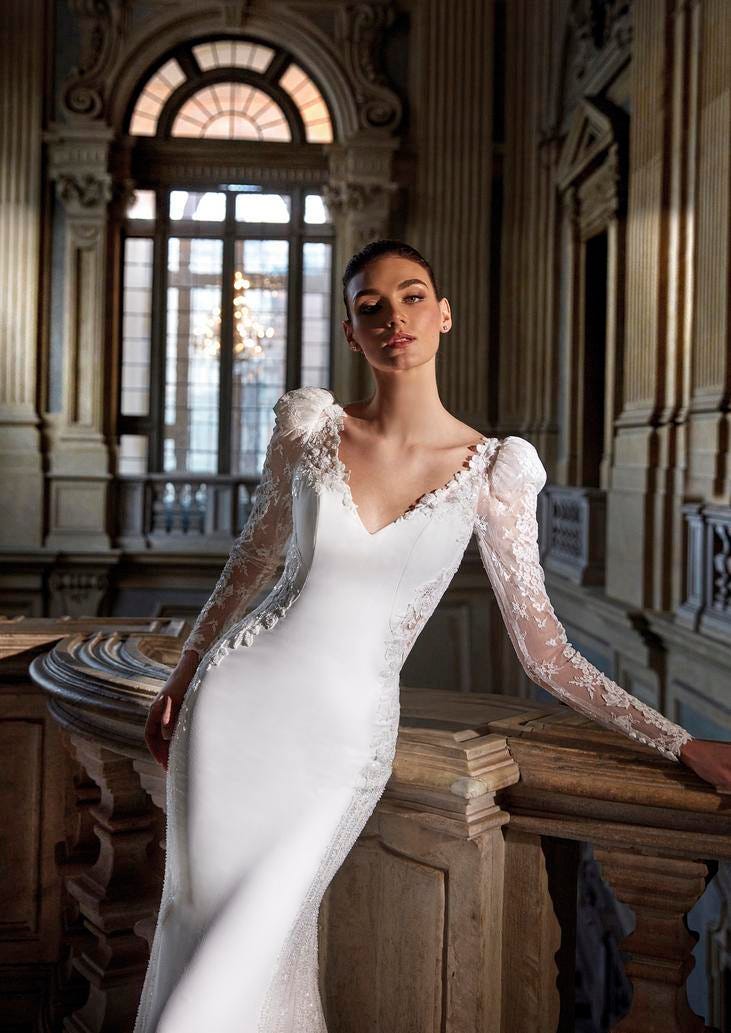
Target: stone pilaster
x: 709, y: 420
x: 78, y: 471
x: 451, y: 198
x: 23, y: 31
x: 644, y: 560
x: 359, y: 198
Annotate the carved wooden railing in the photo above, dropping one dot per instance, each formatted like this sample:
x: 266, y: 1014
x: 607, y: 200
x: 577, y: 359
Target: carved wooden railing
x: 707, y: 606
x: 572, y: 532
x: 456, y: 909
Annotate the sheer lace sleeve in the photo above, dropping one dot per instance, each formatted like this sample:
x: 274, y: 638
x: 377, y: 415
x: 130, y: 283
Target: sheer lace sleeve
x: 257, y: 552
x: 507, y: 534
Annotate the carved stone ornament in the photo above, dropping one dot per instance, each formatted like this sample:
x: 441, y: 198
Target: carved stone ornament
x: 361, y: 27
x: 341, y: 198
x: 77, y: 163
x: 589, y: 171
x: 235, y: 13
x: 77, y: 592
x: 83, y: 192
x: 102, y: 25
x: 592, y: 26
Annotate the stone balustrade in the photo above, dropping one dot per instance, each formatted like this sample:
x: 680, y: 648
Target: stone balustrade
x: 456, y: 910
x: 573, y: 532
x: 181, y: 511
x: 707, y: 606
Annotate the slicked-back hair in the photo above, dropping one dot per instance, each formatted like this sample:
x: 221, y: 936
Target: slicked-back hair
x: 375, y: 249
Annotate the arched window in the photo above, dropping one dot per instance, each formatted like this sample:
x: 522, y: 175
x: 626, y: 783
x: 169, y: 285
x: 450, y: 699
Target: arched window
x: 226, y: 279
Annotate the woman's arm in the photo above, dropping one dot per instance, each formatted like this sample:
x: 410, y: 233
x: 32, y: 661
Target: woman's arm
x: 257, y: 551
x: 507, y: 535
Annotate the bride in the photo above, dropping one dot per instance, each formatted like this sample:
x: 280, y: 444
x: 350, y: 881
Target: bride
x: 278, y: 726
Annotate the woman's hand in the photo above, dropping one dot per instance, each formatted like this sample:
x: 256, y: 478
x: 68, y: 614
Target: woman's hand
x: 711, y: 760
x: 163, y: 713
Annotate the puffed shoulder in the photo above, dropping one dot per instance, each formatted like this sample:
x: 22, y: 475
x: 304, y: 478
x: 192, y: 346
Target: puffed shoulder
x: 517, y: 466
x: 298, y: 410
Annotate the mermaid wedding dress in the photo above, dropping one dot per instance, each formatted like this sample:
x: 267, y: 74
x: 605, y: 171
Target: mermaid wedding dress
x: 286, y: 736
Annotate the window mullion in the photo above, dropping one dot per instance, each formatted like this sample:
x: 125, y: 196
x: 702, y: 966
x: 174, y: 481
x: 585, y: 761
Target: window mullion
x: 158, y: 327
x: 295, y: 288
x: 225, y: 400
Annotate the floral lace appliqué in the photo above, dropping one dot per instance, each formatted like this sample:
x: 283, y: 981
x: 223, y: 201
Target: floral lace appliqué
x: 507, y: 536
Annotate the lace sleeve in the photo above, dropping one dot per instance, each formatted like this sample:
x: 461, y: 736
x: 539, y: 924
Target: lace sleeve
x: 507, y: 535
x: 257, y: 552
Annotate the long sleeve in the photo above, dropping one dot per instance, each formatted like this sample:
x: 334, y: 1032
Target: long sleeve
x: 257, y: 552
x: 507, y: 535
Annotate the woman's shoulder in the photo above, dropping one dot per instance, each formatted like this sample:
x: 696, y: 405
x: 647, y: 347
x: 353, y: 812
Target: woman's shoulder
x: 516, y: 465
x: 298, y: 410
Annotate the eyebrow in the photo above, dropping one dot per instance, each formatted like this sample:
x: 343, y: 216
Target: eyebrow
x: 404, y: 283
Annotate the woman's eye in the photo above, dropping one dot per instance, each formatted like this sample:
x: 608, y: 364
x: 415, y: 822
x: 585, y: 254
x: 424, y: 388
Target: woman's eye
x: 366, y: 310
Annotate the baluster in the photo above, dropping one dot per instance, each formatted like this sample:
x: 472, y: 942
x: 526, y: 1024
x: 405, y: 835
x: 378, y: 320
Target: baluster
x: 661, y: 891
x: 115, y: 893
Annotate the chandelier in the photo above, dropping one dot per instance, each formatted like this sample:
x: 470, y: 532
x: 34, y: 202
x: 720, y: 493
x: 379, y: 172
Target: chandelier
x: 251, y: 336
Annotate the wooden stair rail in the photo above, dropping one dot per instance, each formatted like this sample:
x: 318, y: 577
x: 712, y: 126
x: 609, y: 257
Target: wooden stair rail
x: 456, y: 909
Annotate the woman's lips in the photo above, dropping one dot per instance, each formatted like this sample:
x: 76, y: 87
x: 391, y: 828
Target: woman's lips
x: 399, y: 341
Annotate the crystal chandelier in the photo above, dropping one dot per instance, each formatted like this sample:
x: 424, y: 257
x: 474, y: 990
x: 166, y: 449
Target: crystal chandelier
x: 251, y: 336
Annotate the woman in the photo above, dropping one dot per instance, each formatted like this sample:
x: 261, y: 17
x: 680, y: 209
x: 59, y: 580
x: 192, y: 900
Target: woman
x: 286, y: 718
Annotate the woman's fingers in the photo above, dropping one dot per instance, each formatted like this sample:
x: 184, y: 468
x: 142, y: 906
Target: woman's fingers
x: 158, y: 729
x: 167, y: 718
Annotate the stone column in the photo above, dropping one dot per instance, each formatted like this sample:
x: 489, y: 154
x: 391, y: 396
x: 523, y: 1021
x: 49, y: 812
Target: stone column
x: 450, y: 213
x: 78, y: 461
x: 23, y: 33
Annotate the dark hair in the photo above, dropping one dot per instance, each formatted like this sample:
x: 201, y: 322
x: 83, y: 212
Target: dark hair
x: 377, y: 248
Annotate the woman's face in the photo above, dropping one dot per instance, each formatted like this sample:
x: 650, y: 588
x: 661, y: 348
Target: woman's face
x: 394, y: 295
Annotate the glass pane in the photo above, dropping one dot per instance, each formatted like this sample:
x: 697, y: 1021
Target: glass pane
x: 143, y: 205
x: 132, y: 456
x: 153, y: 97
x: 207, y: 207
x: 192, y: 360
x: 222, y: 53
x: 231, y: 111
x: 254, y: 207
x: 260, y: 347
x: 315, y: 210
x: 136, y: 315
x: 309, y: 100
x: 316, y: 300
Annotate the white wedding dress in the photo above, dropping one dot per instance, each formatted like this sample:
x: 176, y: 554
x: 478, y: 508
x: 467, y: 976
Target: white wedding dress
x: 286, y: 736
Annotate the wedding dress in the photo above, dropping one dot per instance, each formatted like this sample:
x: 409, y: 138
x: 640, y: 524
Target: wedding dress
x: 286, y: 736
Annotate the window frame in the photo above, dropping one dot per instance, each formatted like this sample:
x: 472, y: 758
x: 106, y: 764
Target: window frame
x: 229, y: 231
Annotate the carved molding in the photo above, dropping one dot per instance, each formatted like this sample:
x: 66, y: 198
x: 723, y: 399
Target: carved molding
x: 115, y: 53
x: 593, y: 29
x: 361, y: 30
x: 102, y: 26
x: 77, y: 162
x: 341, y: 197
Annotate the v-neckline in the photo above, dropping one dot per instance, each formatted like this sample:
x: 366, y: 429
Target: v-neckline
x: 427, y: 500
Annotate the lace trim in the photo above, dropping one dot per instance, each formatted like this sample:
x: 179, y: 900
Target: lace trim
x: 323, y: 469
x: 509, y: 549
